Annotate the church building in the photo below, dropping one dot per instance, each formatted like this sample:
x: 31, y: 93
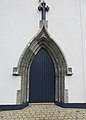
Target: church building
x: 42, y: 51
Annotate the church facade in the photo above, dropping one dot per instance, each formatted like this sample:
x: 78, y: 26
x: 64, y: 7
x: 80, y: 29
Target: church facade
x: 43, y: 51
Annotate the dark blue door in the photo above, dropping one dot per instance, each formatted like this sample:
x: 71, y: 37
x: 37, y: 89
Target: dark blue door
x: 42, y: 78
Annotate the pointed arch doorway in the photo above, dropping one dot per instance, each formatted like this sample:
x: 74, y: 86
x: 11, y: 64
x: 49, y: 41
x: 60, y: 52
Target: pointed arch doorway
x: 42, y: 43
x: 42, y: 78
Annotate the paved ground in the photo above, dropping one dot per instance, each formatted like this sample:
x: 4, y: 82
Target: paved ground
x: 44, y: 112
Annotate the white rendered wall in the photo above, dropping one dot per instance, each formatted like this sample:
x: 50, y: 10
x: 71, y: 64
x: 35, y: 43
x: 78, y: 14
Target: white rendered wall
x: 83, y: 30
x: 19, y: 22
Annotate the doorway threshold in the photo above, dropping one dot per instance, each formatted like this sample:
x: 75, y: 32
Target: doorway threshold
x: 42, y: 103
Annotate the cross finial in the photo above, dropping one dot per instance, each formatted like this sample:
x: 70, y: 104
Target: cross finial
x: 43, y: 8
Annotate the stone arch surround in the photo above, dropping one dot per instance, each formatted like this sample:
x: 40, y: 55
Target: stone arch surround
x: 42, y: 40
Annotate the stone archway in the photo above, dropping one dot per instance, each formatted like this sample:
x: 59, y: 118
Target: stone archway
x: 42, y: 40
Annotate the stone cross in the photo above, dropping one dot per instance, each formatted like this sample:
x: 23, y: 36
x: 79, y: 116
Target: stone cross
x: 44, y: 9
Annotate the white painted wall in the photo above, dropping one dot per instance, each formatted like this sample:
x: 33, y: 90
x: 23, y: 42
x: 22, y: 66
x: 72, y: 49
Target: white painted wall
x: 83, y: 30
x: 19, y: 22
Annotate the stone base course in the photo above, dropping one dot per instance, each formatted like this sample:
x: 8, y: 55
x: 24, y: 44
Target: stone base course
x: 44, y: 112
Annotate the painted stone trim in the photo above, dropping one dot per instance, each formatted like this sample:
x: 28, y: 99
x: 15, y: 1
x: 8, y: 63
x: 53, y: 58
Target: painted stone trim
x: 42, y: 40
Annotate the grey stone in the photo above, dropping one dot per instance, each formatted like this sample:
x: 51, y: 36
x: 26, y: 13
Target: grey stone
x: 66, y: 96
x: 42, y: 40
x: 43, y: 23
x: 15, y: 71
x: 18, y: 100
x: 69, y: 71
